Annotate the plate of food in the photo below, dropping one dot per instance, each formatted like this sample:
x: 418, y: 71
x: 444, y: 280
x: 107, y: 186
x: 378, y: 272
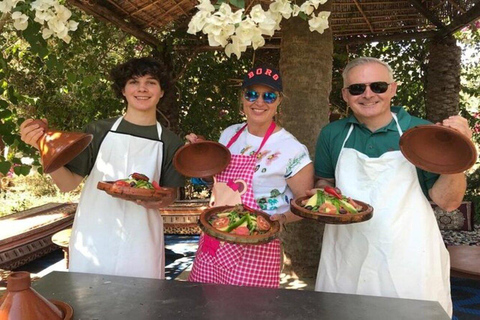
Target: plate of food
x: 239, y: 224
x: 329, y: 205
x: 136, y: 187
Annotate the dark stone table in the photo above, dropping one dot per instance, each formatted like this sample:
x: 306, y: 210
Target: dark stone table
x: 110, y: 297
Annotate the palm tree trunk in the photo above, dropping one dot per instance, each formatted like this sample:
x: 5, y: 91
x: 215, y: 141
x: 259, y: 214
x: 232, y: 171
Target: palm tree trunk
x: 443, y: 79
x: 306, y: 66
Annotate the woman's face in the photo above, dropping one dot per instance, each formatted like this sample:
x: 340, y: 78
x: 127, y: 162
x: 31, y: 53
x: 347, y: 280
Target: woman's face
x: 260, y: 111
x: 143, y: 93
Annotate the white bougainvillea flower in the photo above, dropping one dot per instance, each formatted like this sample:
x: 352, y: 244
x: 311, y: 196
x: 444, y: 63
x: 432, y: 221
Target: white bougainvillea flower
x: 308, y: 7
x: 258, y: 41
x: 270, y: 24
x: 246, y: 30
x: 46, y: 33
x: 296, y: 10
x: 235, y: 31
x: 284, y: 7
x: 198, y: 22
x: 66, y: 38
x: 72, y: 25
x: 236, y: 47
x: 42, y: 16
x: 205, y: 5
x: 20, y: 20
x: 6, y: 6
x: 319, y: 23
x: 63, y: 13
x: 257, y: 14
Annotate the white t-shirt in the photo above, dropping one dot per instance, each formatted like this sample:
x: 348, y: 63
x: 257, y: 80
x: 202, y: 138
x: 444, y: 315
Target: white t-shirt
x: 281, y: 158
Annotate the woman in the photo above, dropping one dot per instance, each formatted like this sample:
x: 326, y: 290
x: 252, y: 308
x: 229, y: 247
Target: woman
x: 274, y: 166
x: 110, y: 235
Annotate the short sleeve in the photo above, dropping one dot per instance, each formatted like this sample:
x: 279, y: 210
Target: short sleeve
x: 170, y: 177
x: 324, y: 167
x: 299, y: 159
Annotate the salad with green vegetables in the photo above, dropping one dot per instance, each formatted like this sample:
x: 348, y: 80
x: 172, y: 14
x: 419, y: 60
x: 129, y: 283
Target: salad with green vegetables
x: 331, y: 201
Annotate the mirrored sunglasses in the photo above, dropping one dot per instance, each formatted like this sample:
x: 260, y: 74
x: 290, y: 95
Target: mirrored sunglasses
x: 268, y: 97
x: 359, y: 88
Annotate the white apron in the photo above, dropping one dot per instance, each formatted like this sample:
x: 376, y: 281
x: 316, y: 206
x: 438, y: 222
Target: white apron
x: 400, y: 251
x: 115, y: 236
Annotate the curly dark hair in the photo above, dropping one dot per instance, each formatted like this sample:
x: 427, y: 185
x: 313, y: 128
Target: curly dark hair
x: 138, y: 67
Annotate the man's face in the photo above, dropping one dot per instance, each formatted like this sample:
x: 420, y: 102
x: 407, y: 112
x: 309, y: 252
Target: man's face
x: 370, y: 107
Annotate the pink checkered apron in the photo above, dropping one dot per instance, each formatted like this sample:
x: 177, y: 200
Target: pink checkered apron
x: 235, y: 264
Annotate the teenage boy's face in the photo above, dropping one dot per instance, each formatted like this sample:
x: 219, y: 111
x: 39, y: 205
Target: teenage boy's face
x: 143, y: 93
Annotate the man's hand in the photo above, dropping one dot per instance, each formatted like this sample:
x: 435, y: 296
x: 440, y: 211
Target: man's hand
x: 30, y: 133
x: 460, y: 124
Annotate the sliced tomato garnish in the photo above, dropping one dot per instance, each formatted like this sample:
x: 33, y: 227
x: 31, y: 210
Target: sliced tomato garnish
x: 121, y: 183
x: 327, y: 208
x: 241, y: 231
x: 262, y: 224
x: 221, y: 223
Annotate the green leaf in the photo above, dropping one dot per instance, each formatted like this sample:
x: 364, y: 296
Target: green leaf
x: 72, y: 77
x: 5, y: 166
x: 3, y: 104
x: 238, y: 3
x: 4, y: 114
x: 22, y: 170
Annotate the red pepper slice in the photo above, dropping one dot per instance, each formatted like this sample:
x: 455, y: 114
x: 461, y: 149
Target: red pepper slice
x: 333, y: 192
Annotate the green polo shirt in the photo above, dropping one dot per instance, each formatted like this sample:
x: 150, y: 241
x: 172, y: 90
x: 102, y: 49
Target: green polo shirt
x: 83, y: 163
x: 372, y: 144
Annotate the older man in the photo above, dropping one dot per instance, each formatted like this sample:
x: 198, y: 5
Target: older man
x: 399, y: 252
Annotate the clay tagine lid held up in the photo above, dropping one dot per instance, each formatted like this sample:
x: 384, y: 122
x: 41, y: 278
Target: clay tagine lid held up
x: 438, y: 149
x: 201, y: 159
x: 23, y: 302
x: 57, y: 148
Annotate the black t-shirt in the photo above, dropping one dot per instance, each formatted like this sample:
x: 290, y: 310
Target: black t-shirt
x: 83, y: 163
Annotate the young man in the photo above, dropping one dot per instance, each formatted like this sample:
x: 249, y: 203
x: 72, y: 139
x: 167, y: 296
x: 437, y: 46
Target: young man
x: 111, y: 235
x: 400, y: 251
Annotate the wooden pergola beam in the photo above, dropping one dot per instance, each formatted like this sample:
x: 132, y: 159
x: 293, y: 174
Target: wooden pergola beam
x: 461, y: 21
x: 364, y: 16
x: 107, y: 15
x: 382, y: 38
x: 427, y: 13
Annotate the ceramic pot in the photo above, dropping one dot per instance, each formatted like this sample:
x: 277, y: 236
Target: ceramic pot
x: 58, y: 148
x: 201, y: 159
x: 438, y: 149
x: 21, y: 302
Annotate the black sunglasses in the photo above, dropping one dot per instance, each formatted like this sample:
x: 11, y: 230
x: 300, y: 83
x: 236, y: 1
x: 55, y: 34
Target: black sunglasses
x: 268, y: 97
x: 357, y: 89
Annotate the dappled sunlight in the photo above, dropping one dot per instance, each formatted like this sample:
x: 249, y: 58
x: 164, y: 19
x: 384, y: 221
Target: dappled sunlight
x: 14, y: 226
x: 292, y: 282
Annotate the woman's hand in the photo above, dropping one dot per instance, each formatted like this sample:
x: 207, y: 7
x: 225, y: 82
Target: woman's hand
x: 192, y: 138
x: 281, y: 218
x: 458, y: 123
x: 30, y: 133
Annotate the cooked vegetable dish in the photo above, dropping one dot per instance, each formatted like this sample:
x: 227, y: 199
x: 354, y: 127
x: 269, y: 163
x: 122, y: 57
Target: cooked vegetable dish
x: 331, y: 201
x: 239, y: 221
x: 137, y: 180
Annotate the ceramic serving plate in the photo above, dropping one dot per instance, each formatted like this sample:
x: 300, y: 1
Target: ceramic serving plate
x: 365, y: 214
x: 438, y: 149
x: 131, y: 193
x: 201, y: 159
x: 233, y: 238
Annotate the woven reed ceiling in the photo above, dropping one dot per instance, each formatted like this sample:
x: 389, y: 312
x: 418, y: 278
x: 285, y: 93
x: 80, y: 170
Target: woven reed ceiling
x: 350, y: 19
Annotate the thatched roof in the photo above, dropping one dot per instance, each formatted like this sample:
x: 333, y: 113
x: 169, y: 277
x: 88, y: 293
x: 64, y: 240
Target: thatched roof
x: 351, y: 20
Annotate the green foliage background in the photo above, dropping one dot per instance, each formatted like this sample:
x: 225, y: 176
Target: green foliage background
x: 68, y: 83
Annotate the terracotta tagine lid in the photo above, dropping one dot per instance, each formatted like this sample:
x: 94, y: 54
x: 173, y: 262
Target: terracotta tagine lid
x: 21, y: 302
x: 58, y: 148
x: 438, y: 149
x: 201, y: 159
